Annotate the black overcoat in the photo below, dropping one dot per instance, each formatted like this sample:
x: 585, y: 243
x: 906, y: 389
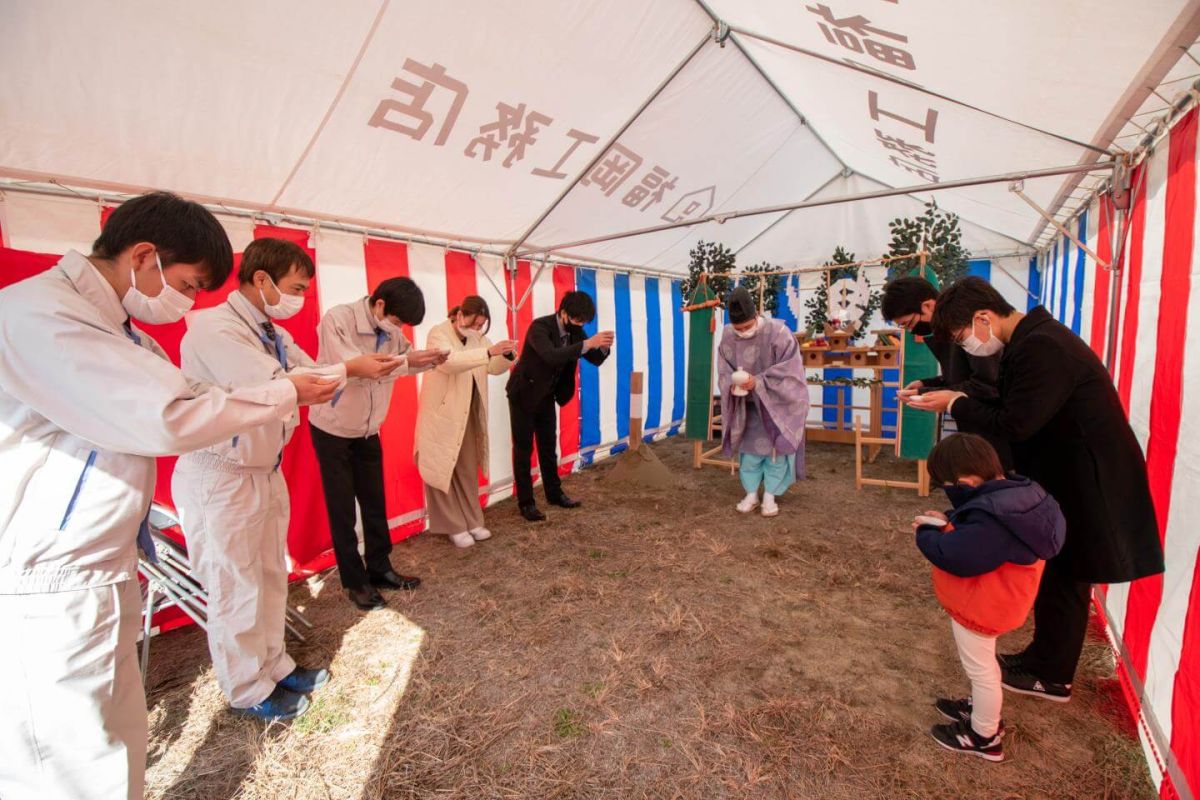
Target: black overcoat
x: 1060, y: 412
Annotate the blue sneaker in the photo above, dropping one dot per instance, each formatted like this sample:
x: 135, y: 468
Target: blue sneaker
x: 305, y: 681
x: 281, y: 705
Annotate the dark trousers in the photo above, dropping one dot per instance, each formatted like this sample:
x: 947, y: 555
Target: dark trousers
x: 1060, y: 619
x: 541, y: 424
x: 353, y: 469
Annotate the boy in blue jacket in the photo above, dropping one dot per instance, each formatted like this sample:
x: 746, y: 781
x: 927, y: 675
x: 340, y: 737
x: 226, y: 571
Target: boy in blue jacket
x: 988, y: 554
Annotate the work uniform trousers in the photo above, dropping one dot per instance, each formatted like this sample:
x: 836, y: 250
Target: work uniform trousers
x: 236, y: 529
x: 352, y: 469
x: 72, y: 710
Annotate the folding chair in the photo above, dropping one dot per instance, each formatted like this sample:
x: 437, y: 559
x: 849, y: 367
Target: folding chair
x: 170, y: 582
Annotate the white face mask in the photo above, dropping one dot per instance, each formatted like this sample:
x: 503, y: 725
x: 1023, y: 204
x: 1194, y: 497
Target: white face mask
x: 746, y: 334
x: 385, y: 324
x: 979, y: 348
x: 166, y: 307
x: 289, y: 305
x: 464, y: 331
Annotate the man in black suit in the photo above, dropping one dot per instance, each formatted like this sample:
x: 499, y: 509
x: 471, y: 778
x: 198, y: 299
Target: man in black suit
x: 909, y: 303
x: 545, y: 373
x: 1058, y: 408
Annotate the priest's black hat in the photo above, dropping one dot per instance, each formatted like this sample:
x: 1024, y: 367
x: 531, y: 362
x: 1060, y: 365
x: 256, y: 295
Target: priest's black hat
x: 740, y: 305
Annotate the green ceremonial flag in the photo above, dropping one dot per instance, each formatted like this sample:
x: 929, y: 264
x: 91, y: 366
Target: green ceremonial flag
x: 700, y: 365
x: 918, y: 428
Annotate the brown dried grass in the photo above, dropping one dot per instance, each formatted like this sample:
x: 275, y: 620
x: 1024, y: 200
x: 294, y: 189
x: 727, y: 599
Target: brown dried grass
x: 652, y: 644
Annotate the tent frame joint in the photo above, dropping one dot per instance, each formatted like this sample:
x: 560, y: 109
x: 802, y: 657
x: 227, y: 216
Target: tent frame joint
x: 1017, y: 187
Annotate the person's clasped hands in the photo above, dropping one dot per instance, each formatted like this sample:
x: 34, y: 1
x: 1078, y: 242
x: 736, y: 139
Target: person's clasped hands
x: 419, y: 359
x: 503, y: 348
x: 938, y: 402
x: 602, y: 340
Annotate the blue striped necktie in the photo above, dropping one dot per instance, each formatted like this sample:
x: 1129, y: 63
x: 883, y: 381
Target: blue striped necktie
x: 144, y: 539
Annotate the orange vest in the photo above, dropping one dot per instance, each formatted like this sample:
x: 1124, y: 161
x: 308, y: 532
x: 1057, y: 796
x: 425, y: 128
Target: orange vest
x: 993, y: 603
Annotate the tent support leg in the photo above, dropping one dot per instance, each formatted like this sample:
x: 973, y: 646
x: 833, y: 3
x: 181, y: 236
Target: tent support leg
x: 1017, y: 189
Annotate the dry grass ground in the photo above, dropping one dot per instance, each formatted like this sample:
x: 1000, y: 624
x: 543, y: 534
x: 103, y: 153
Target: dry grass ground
x: 650, y: 644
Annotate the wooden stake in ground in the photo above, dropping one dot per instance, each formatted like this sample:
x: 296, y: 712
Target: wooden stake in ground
x: 638, y: 466
x: 635, y: 410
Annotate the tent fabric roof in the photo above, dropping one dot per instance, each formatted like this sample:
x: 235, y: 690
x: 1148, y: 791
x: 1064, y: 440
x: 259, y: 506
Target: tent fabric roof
x: 539, y: 124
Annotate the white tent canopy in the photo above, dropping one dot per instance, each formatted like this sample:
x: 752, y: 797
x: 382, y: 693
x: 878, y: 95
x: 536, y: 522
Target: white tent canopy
x: 532, y: 127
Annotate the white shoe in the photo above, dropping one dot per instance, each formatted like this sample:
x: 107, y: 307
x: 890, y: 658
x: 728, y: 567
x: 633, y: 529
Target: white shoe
x: 748, y: 504
x: 479, y: 534
x: 769, y: 509
x: 463, y: 539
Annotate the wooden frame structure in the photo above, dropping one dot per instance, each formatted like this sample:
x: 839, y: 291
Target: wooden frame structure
x: 702, y: 456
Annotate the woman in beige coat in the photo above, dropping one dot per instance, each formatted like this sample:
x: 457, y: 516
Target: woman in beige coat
x: 452, y: 441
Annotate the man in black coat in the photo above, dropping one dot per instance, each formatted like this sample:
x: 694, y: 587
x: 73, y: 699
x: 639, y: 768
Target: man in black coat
x: 909, y: 303
x: 545, y: 374
x: 1060, y: 412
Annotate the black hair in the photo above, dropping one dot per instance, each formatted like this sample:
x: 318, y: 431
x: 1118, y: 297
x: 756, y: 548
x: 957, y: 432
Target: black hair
x: 578, y: 305
x: 962, y: 454
x: 958, y: 304
x: 402, y: 299
x: 904, y: 296
x: 274, y: 257
x: 184, y: 233
x: 474, y: 306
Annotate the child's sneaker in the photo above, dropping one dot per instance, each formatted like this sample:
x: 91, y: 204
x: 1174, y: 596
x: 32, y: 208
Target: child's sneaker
x: 748, y: 504
x: 959, y: 737
x: 959, y: 711
x: 769, y: 509
x: 1023, y: 681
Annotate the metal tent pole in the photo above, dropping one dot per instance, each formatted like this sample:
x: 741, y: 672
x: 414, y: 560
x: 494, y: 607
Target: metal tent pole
x: 827, y: 201
x: 611, y: 141
x: 913, y: 87
x: 1019, y: 191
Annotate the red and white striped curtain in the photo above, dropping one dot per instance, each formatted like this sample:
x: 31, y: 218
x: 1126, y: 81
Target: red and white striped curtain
x: 1154, y: 623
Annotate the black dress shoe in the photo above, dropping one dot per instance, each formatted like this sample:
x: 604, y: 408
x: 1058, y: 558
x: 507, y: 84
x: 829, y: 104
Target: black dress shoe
x: 394, y: 580
x: 367, y: 598
x: 565, y: 502
x: 531, y: 513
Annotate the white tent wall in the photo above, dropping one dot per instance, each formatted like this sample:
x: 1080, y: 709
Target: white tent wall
x: 807, y: 237
x: 717, y: 104
x: 44, y: 224
x: 939, y: 148
x: 471, y: 126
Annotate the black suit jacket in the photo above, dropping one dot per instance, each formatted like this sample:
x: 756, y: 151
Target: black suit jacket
x: 1059, y: 410
x: 546, y: 367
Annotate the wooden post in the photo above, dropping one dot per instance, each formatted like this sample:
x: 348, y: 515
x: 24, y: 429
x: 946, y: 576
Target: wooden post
x: 858, y: 484
x: 635, y: 410
x: 876, y: 430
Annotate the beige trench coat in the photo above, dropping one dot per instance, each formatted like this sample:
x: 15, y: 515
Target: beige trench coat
x: 446, y: 402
